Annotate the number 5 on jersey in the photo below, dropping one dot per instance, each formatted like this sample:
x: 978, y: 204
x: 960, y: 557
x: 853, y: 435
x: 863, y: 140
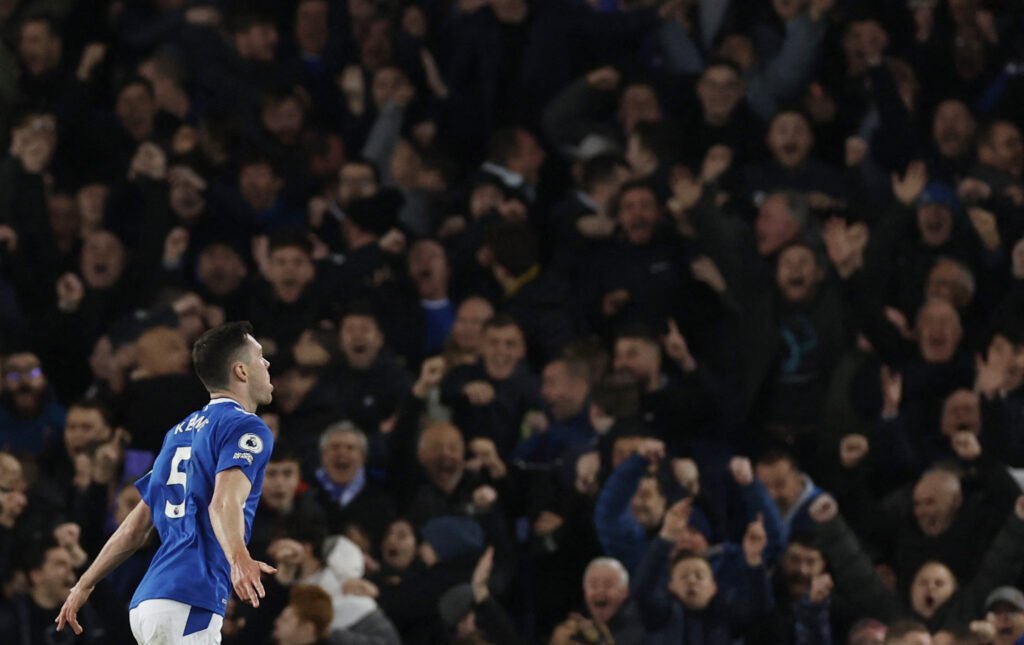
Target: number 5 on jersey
x: 178, y: 478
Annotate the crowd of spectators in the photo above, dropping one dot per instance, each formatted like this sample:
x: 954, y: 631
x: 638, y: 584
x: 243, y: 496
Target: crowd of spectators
x: 666, y: 321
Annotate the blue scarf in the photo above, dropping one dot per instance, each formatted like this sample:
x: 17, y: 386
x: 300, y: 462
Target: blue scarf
x: 341, y: 494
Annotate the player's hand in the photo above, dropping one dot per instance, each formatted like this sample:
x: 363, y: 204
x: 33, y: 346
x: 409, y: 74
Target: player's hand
x: 245, y: 578
x: 69, y: 612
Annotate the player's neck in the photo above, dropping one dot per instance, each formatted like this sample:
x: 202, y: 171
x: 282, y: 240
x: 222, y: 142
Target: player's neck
x: 238, y: 398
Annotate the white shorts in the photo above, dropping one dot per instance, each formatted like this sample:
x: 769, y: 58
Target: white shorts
x: 169, y: 622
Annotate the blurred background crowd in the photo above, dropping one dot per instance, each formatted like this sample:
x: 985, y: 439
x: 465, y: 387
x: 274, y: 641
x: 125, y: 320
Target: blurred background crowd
x: 607, y: 321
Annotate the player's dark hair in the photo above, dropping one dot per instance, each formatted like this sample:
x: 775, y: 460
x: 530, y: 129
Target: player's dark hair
x: 216, y: 350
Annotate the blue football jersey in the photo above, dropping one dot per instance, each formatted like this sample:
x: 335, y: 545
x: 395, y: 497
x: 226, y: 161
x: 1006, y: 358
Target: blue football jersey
x: 190, y: 566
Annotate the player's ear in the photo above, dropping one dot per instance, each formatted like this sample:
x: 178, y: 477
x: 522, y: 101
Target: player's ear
x: 239, y: 371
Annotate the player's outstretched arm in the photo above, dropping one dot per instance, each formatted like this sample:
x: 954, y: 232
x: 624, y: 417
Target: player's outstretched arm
x: 126, y: 540
x: 228, y: 520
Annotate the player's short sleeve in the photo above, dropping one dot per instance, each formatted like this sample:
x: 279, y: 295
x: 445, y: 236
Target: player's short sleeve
x: 247, y: 446
x: 142, y: 485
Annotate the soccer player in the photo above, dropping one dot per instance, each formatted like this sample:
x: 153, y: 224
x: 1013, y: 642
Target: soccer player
x: 201, y: 496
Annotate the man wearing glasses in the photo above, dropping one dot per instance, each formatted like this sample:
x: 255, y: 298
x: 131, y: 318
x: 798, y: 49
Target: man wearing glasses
x: 30, y: 417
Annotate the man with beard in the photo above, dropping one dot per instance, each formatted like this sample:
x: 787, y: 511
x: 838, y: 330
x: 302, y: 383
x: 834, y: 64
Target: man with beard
x: 802, y: 590
x: 793, y: 338
x: 953, y: 128
x: 31, y: 419
x: 677, y: 407
x: 491, y: 398
x: 642, y: 271
x: 792, y: 490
